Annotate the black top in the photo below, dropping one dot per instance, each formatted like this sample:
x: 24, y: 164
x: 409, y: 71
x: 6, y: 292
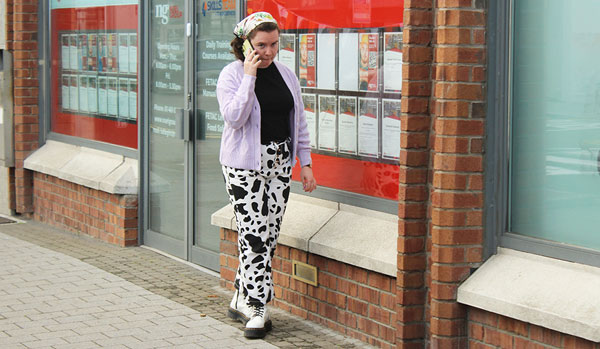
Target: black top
x: 276, y: 102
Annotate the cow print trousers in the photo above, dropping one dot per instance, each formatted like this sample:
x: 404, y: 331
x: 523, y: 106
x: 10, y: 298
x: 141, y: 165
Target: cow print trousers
x: 259, y: 199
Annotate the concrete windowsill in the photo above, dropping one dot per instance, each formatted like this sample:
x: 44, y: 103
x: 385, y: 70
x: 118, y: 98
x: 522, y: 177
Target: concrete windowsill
x: 348, y: 234
x: 548, y: 292
x: 88, y: 167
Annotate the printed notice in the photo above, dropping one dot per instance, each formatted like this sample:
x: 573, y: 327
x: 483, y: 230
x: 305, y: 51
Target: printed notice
x: 390, y: 130
x: 310, y: 110
x: 287, y: 50
x: 133, y: 53
x: 65, y: 91
x: 307, y: 69
x: 102, y: 51
x: 83, y: 94
x: 348, y: 61
x: 92, y: 95
x: 327, y: 124
x: 347, y: 125
x: 123, y: 98
x: 82, y: 52
x: 123, y: 53
x: 102, y: 96
x: 73, y: 55
x: 64, y: 51
x: 92, y: 55
x: 368, y: 127
x: 111, y: 63
x: 74, y: 93
x: 326, y: 61
x: 368, y: 66
x: 133, y: 99
x: 112, y: 96
x: 392, y: 62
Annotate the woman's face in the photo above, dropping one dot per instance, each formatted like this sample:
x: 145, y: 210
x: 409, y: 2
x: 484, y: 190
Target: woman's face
x: 266, y: 45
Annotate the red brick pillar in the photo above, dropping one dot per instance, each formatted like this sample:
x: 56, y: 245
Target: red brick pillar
x: 457, y: 187
x: 414, y: 161
x: 22, y: 42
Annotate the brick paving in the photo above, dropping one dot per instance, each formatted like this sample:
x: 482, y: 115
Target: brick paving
x: 61, y: 290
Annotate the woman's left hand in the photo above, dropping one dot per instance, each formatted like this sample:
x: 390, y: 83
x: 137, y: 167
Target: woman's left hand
x: 308, y: 180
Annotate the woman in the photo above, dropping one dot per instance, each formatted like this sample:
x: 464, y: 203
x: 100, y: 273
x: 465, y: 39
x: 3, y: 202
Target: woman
x: 265, y: 129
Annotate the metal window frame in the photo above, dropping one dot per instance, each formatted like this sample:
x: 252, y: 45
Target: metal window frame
x: 498, y: 150
x: 44, y: 99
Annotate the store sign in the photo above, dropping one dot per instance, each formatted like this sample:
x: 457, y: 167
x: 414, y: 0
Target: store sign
x: 165, y: 12
x: 89, y: 3
x: 222, y: 7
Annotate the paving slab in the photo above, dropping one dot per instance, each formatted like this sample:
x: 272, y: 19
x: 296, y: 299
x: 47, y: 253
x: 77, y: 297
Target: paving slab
x: 79, y: 290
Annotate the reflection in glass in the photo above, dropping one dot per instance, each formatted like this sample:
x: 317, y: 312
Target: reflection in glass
x: 555, y: 183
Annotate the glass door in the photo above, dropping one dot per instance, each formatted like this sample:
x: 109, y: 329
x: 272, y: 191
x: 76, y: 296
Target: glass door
x: 214, y: 31
x: 167, y: 129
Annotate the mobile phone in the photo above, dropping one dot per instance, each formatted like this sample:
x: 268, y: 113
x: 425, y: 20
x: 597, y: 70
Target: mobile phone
x: 247, y: 47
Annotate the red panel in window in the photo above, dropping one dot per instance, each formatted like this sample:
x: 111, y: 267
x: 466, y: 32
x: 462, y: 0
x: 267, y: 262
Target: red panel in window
x: 90, y: 19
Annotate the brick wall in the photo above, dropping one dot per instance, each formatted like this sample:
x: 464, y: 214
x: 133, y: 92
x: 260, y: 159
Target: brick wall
x: 458, y: 100
x: 414, y: 168
x: 488, y: 330
x: 22, y: 42
x: 109, y: 217
x: 351, y: 300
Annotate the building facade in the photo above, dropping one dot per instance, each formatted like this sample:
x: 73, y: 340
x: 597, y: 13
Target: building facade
x: 454, y: 141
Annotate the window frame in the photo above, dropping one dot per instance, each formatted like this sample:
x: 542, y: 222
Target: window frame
x: 45, y: 111
x: 498, y: 149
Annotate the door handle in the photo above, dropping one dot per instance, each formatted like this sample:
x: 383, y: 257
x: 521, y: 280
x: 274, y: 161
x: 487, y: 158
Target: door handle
x: 184, y: 123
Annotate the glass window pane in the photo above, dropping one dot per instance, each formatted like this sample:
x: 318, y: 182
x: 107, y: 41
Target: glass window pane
x: 348, y: 58
x: 94, y: 75
x: 555, y: 181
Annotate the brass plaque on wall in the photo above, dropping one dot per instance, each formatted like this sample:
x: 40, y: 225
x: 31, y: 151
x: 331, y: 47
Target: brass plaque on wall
x: 305, y: 273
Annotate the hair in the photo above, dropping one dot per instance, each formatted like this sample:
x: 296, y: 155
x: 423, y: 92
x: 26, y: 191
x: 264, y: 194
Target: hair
x: 236, y: 43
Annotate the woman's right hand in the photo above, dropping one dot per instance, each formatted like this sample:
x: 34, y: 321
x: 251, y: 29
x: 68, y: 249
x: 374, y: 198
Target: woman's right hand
x: 251, y: 63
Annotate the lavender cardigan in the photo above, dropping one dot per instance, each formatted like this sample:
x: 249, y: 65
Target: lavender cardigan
x: 240, y: 143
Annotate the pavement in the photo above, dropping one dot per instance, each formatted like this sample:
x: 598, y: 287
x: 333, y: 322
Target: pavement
x: 62, y: 290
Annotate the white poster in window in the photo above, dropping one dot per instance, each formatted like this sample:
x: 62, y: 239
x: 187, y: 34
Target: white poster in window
x: 347, y: 125
x: 368, y: 127
x: 348, y: 62
x: 66, y: 81
x: 392, y: 62
x: 123, y: 53
x: 65, y: 51
x: 390, y: 129
x: 74, y: 93
x: 287, y: 50
x: 133, y: 53
x: 112, y: 97
x: 132, y: 99
x: 83, y: 93
x: 102, y: 52
x: 123, y: 98
x: 310, y: 110
x: 93, y: 95
x: 326, y: 61
x: 102, y: 96
x: 327, y: 123
x: 73, y: 54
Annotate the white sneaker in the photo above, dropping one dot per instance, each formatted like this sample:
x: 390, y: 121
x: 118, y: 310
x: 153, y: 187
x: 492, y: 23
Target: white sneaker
x: 238, y: 309
x: 259, y: 323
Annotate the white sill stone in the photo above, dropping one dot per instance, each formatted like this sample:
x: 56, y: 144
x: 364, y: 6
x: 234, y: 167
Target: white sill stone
x: 547, y: 292
x: 88, y: 167
x: 356, y: 236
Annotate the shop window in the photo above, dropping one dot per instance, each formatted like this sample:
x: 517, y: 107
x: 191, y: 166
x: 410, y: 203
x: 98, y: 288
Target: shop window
x: 94, y: 71
x: 544, y: 184
x: 348, y: 59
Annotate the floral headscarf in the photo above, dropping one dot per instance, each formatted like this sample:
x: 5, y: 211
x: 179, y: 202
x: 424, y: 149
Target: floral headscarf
x: 248, y: 24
